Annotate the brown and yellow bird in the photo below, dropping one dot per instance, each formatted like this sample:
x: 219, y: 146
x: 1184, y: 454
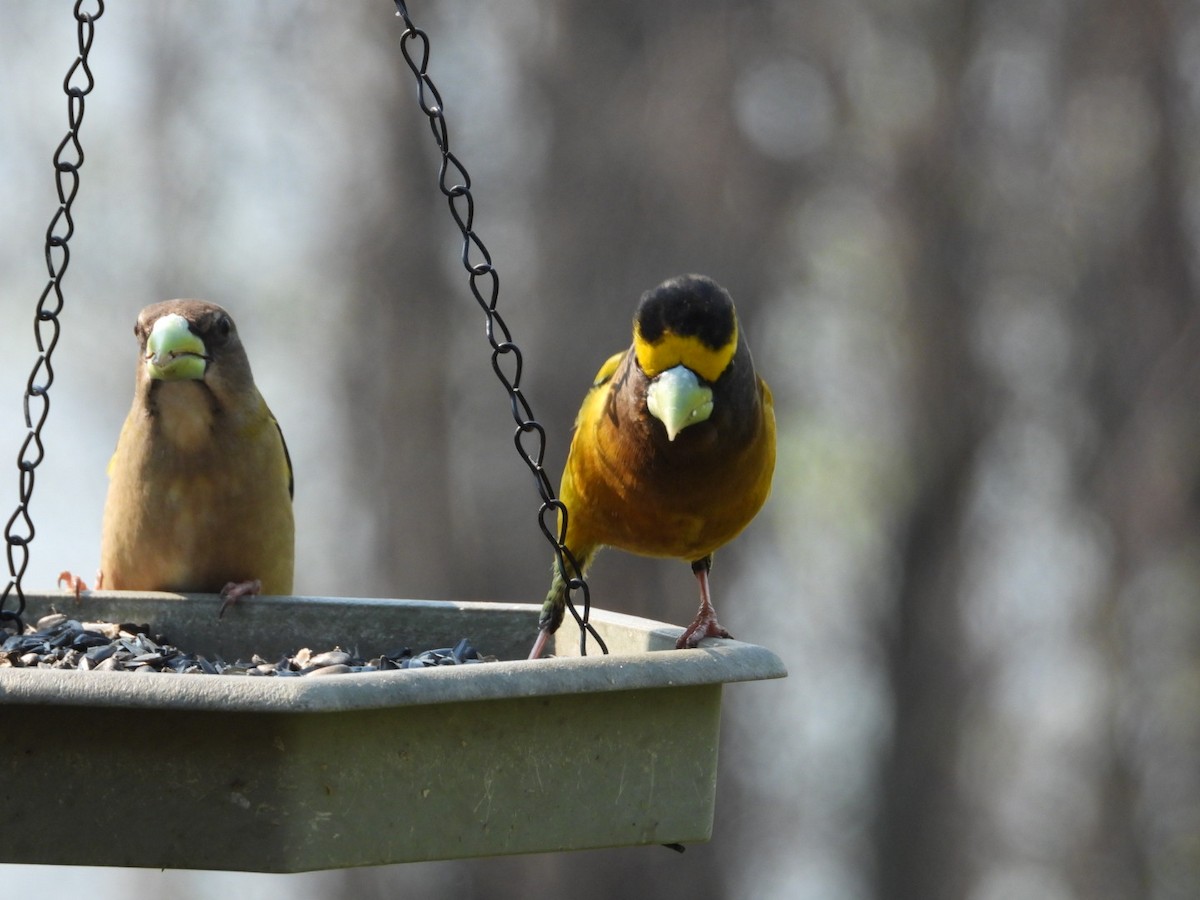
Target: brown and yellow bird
x: 674, y: 446
x: 200, y: 490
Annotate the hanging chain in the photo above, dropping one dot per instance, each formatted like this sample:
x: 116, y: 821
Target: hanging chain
x: 68, y: 158
x: 455, y: 183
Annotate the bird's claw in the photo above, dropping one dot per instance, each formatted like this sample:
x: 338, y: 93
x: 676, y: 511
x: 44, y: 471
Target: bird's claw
x: 704, y: 626
x: 69, y: 581
x: 235, y: 590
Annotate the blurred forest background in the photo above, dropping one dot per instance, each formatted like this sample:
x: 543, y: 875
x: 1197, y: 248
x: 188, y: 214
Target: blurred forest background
x: 962, y: 235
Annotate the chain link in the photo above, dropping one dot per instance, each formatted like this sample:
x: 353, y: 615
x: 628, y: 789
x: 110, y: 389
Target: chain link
x: 68, y: 158
x: 507, y: 361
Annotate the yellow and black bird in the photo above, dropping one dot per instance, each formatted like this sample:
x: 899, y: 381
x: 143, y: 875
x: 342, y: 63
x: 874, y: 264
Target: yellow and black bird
x: 674, y: 446
x: 200, y: 490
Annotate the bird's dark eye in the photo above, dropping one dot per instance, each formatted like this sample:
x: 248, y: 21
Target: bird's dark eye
x: 224, y: 326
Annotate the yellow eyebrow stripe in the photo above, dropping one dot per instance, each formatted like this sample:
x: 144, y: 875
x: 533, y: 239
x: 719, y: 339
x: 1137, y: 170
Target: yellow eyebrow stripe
x: 672, y: 350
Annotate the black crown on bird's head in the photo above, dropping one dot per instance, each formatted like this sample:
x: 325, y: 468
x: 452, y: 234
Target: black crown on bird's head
x: 687, y: 306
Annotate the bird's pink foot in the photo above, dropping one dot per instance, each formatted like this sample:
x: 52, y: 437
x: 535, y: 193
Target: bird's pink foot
x: 70, y: 581
x: 540, y: 644
x: 705, y: 625
x: 235, y: 590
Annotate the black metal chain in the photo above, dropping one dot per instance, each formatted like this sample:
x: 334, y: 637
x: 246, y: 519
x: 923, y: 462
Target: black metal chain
x: 68, y: 158
x: 455, y: 183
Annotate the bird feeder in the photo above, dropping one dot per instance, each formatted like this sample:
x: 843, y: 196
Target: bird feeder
x: 295, y: 774
x: 274, y: 774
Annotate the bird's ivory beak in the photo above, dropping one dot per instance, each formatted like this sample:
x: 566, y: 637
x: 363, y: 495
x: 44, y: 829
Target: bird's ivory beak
x: 173, y: 351
x: 678, y: 399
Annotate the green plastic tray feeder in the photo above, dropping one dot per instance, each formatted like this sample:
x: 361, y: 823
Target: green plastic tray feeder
x: 273, y: 774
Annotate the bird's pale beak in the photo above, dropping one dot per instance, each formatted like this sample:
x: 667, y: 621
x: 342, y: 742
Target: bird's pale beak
x: 173, y: 351
x: 678, y: 399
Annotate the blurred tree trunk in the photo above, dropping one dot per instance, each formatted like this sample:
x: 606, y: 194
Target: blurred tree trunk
x: 920, y: 833
x: 1140, y: 308
x: 921, y: 837
x: 399, y: 337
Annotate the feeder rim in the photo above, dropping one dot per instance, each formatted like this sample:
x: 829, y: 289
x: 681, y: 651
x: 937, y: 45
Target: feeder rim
x: 717, y: 661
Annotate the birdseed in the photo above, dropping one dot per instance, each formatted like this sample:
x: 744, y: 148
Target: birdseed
x: 58, y: 642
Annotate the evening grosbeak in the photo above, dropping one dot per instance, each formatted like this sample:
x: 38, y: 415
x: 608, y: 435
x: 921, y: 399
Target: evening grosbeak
x: 200, y: 490
x: 674, y: 446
